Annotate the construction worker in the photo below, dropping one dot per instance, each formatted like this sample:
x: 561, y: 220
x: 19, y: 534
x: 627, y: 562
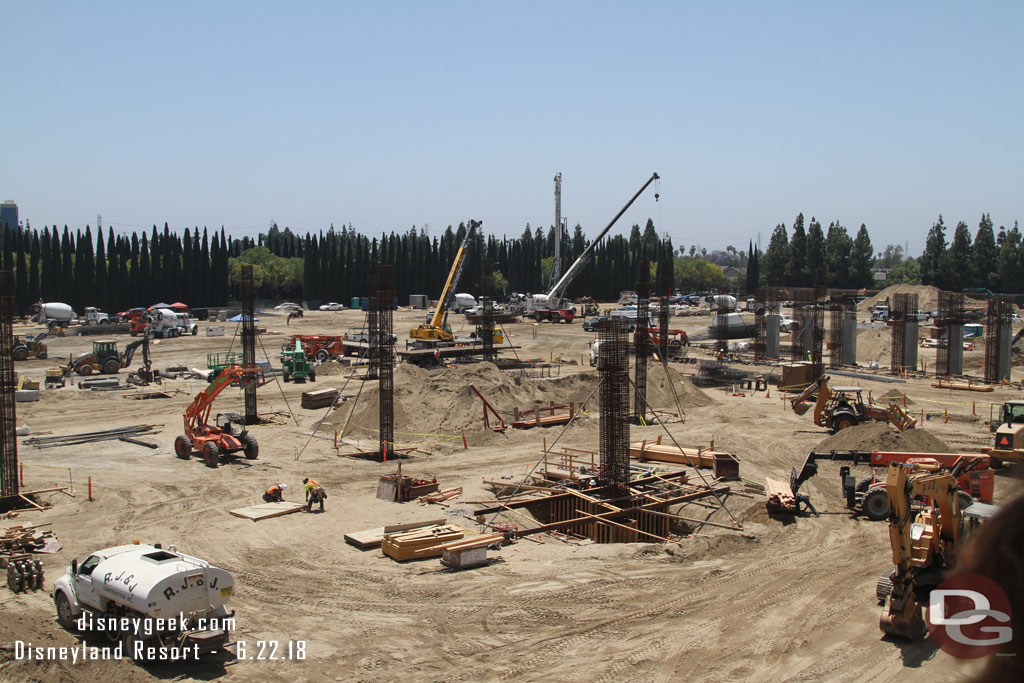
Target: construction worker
x: 684, y: 338
x: 314, y: 494
x: 804, y: 499
x: 275, y: 494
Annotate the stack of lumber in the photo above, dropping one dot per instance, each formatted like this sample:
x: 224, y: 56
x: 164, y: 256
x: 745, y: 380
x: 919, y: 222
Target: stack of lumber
x: 372, y: 538
x: 420, y: 543
x: 439, y: 497
x: 780, y: 496
x: 469, y: 553
x: 319, y: 398
x: 725, y: 464
x: 21, y: 540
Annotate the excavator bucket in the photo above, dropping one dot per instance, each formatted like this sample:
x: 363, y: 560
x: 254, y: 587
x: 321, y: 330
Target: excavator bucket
x: 903, y: 621
x: 899, y: 418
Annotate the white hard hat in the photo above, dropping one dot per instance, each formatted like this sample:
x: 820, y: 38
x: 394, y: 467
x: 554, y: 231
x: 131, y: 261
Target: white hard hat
x: 283, y: 486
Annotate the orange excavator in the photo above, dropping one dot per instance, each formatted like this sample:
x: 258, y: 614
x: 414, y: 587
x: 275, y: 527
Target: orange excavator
x: 840, y: 407
x: 924, y: 541
x: 221, y: 438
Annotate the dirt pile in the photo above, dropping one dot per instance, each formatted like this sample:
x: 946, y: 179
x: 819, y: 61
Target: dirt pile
x: 927, y: 297
x: 434, y: 406
x: 896, y: 396
x: 878, y: 436
x: 874, y: 345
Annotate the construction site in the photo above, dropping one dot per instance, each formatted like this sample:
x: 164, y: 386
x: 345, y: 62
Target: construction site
x: 498, y: 507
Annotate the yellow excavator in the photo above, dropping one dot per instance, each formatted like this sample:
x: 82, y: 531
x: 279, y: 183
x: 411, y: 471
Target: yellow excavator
x: 925, y: 541
x: 437, y: 332
x: 837, y: 408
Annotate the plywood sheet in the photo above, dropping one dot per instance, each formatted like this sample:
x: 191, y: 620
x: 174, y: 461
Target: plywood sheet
x: 267, y: 510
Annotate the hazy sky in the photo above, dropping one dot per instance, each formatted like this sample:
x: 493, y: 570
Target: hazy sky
x: 393, y: 114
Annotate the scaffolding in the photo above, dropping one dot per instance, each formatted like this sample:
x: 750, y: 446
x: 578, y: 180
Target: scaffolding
x: 949, y: 356
x: 249, y: 342
x: 613, y: 366
x: 641, y: 341
x: 382, y: 345
x: 998, y: 321
x: 903, y: 318
x: 8, y: 422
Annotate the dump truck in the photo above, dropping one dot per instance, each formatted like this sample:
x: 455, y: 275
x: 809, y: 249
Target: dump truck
x: 840, y: 407
x: 154, y: 601
x: 1008, y: 443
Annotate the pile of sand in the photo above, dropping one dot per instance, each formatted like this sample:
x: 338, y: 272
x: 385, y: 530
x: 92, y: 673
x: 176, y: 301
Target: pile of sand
x: 927, y: 297
x: 878, y: 436
x: 896, y: 396
x: 874, y: 345
x: 431, y: 405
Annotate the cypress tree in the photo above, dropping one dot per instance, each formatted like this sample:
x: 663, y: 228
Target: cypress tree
x: 145, y: 274
x: 155, y: 272
x: 127, y: 291
x: 101, y: 292
x: 205, y: 296
x: 33, y: 270
x: 88, y: 270
x: 187, y: 283
x: 21, y: 302
x: 133, y: 270
x: 67, y: 276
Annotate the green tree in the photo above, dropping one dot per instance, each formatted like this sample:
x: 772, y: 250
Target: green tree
x: 984, y: 254
x: 838, y: 256
x: 958, y: 268
x: 796, y: 270
x: 815, y: 251
x: 860, y: 265
x: 933, y: 262
x: 776, y: 257
x: 906, y: 272
x: 1009, y: 276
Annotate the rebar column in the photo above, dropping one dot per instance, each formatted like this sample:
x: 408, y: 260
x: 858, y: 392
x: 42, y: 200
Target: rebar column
x: 842, y: 308
x: 949, y: 356
x: 613, y: 367
x: 249, y: 342
x: 903, y: 318
x: 766, y: 324
x: 382, y: 341
x: 641, y: 343
x: 485, y: 328
x: 8, y: 419
x: 998, y: 323
x: 666, y: 283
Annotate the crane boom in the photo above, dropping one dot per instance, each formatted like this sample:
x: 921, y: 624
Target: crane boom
x: 448, y: 293
x: 581, y: 262
x: 198, y: 411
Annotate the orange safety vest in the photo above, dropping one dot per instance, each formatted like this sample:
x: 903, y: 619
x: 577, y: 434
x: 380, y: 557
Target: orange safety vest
x: 312, y: 484
x: 273, y: 490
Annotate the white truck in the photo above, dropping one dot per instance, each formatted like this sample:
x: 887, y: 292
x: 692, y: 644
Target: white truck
x: 94, y: 316
x: 157, y: 603
x: 163, y: 323
x: 54, y: 313
x: 185, y: 324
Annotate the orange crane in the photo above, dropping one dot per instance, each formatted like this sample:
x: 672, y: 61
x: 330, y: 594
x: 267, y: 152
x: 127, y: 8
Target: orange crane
x: 221, y: 438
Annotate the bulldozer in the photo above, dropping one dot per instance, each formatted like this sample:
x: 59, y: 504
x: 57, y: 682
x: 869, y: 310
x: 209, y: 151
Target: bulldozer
x: 1008, y: 444
x: 840, y: 407
x: 925, y: 540
x: 220, y: 439
x: 25, y: 347
x: 104, y: 357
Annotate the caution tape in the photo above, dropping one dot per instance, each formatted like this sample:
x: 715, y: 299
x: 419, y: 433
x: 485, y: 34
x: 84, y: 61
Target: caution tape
x: 48, y: 467
x: 439, y: 436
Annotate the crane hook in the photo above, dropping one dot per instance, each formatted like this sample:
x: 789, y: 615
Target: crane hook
x: 656, y: 196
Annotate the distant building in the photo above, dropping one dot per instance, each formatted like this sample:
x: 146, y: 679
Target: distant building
x: 733, y: 273
x: 9, y: 214
x: 881, y: 274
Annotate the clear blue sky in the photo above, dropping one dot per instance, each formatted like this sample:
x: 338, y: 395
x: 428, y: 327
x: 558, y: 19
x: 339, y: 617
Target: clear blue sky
x: 393, y: 114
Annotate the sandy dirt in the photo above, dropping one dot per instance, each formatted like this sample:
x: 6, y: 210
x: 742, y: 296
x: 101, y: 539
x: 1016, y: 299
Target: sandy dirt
x: 790, y: 599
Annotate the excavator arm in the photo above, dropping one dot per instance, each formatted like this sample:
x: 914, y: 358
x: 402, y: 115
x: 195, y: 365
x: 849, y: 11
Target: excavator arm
x: 902, y: 614
x: 198, y: 412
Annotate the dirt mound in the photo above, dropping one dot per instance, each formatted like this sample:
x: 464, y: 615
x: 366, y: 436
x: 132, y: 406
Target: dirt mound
x: 896, y: 396
x: 434, y: 406
x: 874, y: 345
x: 878, y: 436
x: 927, y: 297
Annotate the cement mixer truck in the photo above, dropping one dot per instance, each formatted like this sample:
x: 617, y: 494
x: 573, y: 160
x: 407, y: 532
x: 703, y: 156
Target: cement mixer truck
x: 155, y: 603
x: 54, y: 313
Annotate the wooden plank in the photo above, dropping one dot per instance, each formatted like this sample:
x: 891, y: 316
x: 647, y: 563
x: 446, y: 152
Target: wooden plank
x: 623, y: 526
x: 267, y: 510
x: 681, y: 456
x: 780, y: 495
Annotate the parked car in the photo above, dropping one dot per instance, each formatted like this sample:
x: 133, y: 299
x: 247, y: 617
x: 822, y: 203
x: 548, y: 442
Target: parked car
x: 590, y: 325
x: 1016, y: 318
x: 786, y: 323
x: 287, y: 306
x: 332, y: 306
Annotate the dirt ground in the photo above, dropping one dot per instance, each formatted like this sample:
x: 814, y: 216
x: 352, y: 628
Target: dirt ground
x: 789, y: 599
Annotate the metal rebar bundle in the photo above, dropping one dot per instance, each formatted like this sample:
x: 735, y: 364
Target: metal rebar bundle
x: 613, y: 366
x: 249, y: 341
x: 382, y: 342
x: 903, y: 313
x: 766, y: 329
x: 842, y: 308
x: 90, y: 437
x: 998, y: 322
x: 641, y: 340
x: 8, y: 419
